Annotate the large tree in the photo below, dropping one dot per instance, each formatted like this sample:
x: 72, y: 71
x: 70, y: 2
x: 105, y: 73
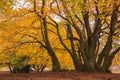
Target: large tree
x: 29, y: 26
x: 96, y: 23
x: 42, y: 15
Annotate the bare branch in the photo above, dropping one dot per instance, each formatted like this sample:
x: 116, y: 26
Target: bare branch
x: 37, y: 40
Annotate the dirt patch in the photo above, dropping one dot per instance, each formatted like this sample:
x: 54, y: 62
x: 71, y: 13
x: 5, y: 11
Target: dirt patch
x: 63, y: 75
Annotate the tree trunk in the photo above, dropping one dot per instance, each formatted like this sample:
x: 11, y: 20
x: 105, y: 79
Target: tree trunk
x: 77, y: 64
x: 55, y: 62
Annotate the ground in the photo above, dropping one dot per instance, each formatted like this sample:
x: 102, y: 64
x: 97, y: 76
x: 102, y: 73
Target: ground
x: 62, y: 75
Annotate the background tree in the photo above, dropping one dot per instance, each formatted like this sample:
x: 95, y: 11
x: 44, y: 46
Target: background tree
x: 32, y: 30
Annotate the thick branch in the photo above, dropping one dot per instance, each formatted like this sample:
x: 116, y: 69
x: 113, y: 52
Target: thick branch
x: 108, y: 46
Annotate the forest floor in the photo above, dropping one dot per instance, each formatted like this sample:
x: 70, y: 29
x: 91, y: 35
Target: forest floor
x: 62, y: 75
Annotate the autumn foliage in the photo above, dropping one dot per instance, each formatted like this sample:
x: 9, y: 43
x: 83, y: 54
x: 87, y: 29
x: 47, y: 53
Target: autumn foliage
x: 79, y: 35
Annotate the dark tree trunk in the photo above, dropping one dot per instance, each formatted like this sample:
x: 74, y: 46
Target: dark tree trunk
x: 55, y: 62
